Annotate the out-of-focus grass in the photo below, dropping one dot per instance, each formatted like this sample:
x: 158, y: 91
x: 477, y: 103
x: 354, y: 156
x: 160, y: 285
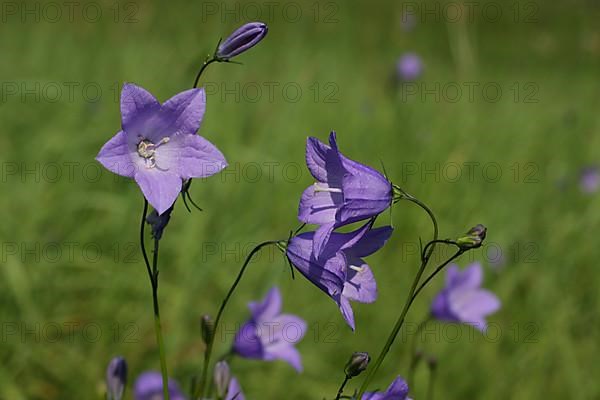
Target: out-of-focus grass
x: 65, y: 314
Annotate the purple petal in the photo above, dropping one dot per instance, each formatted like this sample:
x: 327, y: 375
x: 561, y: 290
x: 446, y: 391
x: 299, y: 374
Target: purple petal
x: 318, y: 206
x: 347, y: 311
x: 148, y: 386
x: 184, y: 111
x: 470, y: 278
x: 190, y: 156
x: 117, y: 156
x: 247, y: 343
x: 287, y: 353
x: 321, y: 238
x: 269, y: 308
x: 360, y: 285
x: 471, y: 306
x: 234, y: 391
x: 160, y: 188
x: 324, y: 162
x: 138, y: 111
x: 371, y: 241
x: 440, y: 308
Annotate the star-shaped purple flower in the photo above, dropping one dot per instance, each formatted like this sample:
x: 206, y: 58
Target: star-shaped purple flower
x: 158, y: 146
x: 345, y: 192
x: 149, y: 386
x: 398, y: 390
x: 340, y: 271
x: 462, y: 300
x: 270, y: 335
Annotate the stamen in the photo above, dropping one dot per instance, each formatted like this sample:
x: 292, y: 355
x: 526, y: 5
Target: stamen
x: 357, y: 269
x: 318, y: 189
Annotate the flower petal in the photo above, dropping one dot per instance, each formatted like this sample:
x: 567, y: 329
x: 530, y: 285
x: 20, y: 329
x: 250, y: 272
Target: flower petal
x: 469, y: 278
x: 471, y: 306
x: 116, y: 156
x: 138, y: 111
x: 347, y: 312
x: 318, y: 206
x: 287, y: 353
x: 234, y: 391
x: 360, y: 285
x: 160, y: 188
x: 190, y: 156
x: 321, y: 238
x: 184, y: 111
x: 247, y: 342
x: 371, y: 241
x: 324, y: 162
x: 269, y: 308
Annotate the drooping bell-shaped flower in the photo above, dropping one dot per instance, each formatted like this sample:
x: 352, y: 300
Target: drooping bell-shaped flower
x: 149, y: 386
x: 462, y: 299
x: 116, y: 378
x: 345, y: 191
x: 340, y: 271
x: 269, y: 335
x: 243, y: 39
x: 398, y: 390
x: 158, y: 146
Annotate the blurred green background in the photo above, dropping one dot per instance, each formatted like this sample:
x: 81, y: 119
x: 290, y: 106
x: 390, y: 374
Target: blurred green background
x: 73, y: 287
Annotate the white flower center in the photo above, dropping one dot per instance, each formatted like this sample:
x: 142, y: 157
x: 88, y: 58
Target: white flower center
x: 147, y: 150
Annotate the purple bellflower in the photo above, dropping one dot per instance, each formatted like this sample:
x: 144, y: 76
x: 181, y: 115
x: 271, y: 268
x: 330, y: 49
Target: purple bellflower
x: 340, y: 271
x: 398, y: 390
x: 462, y: 300
x: 270, y: 335
x: 409, y: 67
x: 148, y: 386
x: 244, y: 38
x: 158, y: 146
x: 345, y: 191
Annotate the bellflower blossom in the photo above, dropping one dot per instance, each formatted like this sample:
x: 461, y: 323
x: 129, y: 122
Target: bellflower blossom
x: 398, y: 390
x: 158, y: 146
x: 345, y: 192
x: 341, y: 272
x: 462, y: 300
x: 270, y: 335
x: 149, y: 386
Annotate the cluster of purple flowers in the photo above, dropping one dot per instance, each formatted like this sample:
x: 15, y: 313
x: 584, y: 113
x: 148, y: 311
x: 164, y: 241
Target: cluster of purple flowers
x: 158, y: 147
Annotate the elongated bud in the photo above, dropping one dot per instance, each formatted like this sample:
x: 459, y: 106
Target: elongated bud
x: 207, y: 327
x: 116, y: 378
x: 473, y: 239
x: 159, y: 222
x: 357, y: 364
x: 242, y: 39
x: 222, y: 378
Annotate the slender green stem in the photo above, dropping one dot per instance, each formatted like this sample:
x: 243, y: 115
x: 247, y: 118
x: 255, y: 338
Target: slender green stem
x: 209, y: 346
x: 458, y: 253
x: 157, y: 325
x: 341, y: 389
x: 409, y: 300
x: 153, y: 276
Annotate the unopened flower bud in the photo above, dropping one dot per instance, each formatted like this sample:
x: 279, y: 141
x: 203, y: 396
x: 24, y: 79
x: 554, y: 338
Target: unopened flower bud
x: 222, y: 378
x: 207, y: 328
x: 116, y: 378
x: 358, y: 363
x: 158, y: 223
x: 473, y: 239
x: 242, y: 39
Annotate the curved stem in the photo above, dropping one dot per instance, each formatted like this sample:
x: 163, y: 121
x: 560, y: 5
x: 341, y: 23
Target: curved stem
x: 430, y: 387
x: 437, y: 270
x: 204, y: 65
x: 209, y: 346
x: 142, y: 244
x: 341, y: 389
x: 409, y: 299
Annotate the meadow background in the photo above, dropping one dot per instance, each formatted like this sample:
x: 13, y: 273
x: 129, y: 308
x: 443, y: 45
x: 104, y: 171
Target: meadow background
x: 73, y: 287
